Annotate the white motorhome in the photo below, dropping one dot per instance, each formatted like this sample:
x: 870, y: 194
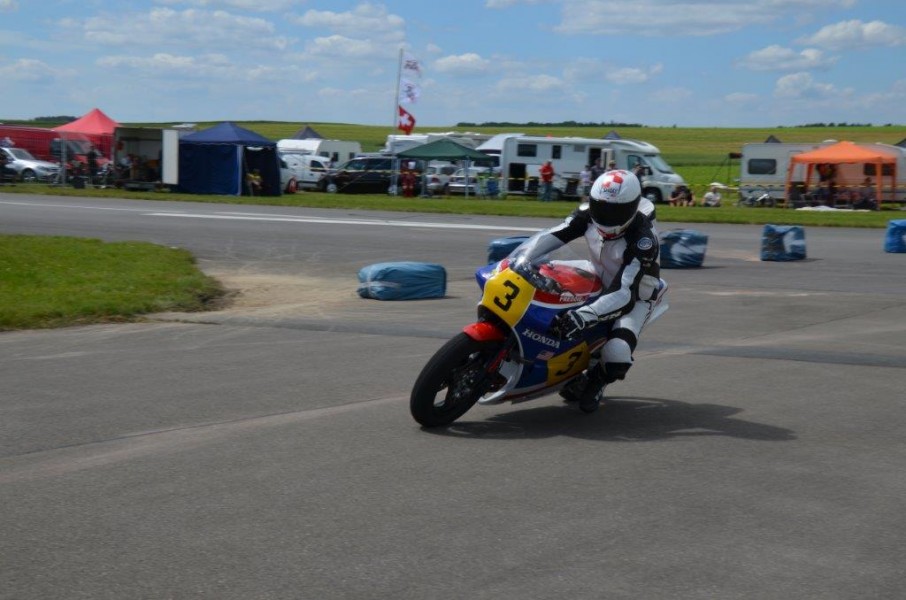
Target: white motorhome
x: 336, y: 151
x: 763, y: 168
x: 521, y: 156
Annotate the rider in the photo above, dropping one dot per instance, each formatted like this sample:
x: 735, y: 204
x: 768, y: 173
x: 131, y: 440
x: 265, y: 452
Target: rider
x: 618, y: 225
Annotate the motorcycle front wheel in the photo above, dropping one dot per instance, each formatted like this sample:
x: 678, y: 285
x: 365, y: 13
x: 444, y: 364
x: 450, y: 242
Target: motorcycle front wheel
x: 452, y: 381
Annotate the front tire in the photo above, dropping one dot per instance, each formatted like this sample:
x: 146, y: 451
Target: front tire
x: 452, y: 381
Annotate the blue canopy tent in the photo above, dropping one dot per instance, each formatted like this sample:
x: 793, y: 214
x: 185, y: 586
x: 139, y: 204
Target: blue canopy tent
x: 217, y: 161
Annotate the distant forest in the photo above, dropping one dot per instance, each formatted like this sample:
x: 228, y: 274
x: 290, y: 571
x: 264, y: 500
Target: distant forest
x: 535, y: 124
x: 54, y: 120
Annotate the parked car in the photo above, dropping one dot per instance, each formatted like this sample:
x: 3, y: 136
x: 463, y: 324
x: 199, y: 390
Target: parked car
x: 368, y: 174
x: 28, y: 168
x: 458, y: 184
x: 437, y: 176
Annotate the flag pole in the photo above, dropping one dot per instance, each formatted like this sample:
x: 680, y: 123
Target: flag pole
x: 396, y: 90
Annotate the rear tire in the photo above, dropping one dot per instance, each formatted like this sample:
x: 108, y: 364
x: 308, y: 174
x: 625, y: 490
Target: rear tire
x: 452, y: 381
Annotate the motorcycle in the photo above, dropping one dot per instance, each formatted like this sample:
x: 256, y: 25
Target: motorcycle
x: 512, y: 353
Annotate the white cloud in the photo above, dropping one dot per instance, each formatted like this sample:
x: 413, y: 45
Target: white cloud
x: 256, y: 5
x: 630, y: 75
x: 365, y: 20
x: 857, y: 34
x: 668, y: 17
x: 778, y: 58
x: 8, y: 5
x: 174, y: 29
x: 803, y: 85
x: 537, y: 83
x: 30, y: 70
x: 463, y: 64
x: 741, y: 98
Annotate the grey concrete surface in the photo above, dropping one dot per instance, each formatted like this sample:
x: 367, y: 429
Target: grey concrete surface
x: 755, y: 451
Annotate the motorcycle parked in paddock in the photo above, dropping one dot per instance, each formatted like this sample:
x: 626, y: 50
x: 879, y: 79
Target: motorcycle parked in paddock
x: 512, y: 353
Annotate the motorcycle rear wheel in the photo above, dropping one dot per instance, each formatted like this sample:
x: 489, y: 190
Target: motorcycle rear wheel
x: 452, y: 381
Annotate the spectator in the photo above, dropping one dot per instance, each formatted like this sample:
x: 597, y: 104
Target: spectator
x: 92, y: 158
x: 585, y: 182
x: 867, y: 200
x: 612, y: 165
x: 597, y: 170
x: 546, y: 173
x: 253, y: 179
x: 682, y: 196
x: 712, y: 198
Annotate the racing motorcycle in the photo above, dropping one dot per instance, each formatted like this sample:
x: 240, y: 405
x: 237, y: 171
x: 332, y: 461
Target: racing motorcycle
x: 513, y: 352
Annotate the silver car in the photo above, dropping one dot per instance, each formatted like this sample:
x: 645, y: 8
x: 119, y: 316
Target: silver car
x: 27, y: 167
x: 458, y: 184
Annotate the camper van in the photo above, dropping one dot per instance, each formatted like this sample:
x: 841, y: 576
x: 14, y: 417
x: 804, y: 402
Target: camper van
x: 336, y: 151
x: 764, y: 166
x: 521, y: 156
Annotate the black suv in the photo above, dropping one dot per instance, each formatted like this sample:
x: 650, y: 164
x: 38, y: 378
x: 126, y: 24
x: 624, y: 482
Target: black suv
x: 369, y: 175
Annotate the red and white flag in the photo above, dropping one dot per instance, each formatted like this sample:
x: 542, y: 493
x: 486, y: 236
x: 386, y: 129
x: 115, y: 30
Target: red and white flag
x: 406, y: 121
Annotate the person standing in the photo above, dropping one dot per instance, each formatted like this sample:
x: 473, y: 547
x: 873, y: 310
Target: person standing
x: 585, y: 182
x: 546, y: 173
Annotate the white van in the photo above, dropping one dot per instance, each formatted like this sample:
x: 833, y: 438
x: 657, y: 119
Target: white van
x: 307, y: 169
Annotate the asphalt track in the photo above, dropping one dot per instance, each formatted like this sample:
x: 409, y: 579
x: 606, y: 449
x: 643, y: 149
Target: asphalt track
x: 266, y: 451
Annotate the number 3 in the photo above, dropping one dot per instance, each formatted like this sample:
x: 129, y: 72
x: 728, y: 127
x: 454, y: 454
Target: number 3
x: 507, y: 301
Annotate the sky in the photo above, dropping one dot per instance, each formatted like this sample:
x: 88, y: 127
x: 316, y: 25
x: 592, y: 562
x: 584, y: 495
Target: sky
x: 707, y: 63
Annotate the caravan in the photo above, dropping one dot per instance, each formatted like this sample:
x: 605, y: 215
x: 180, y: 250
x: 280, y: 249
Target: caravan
x: 520, y: 157
x: 397, y: 143
x: 336, y: 151
x: 764, y: 167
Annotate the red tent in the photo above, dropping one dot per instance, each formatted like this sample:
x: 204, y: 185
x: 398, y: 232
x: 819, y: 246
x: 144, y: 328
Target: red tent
x: 92, y: 123
x: 847, y: 153
x: 94, y: 126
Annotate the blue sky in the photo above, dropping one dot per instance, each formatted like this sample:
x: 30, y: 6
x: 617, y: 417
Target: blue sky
x: 720, y: 63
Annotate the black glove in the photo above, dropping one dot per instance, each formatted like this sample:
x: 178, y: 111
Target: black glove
x: 570, y: 324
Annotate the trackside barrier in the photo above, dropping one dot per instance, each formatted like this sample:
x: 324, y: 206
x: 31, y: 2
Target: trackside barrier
x: 402, y: 281
x: 683, y: 248
x: 895, y: 240
x: 501, y: 247
x: 783, y: 243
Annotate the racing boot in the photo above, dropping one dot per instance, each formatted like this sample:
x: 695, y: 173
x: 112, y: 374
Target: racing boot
x: 594, y: 389
x: 572, y: 391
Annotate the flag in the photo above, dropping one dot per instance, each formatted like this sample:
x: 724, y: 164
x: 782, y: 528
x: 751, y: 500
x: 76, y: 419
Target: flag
x: 409, y: 92
x: 411, y: 65
x: 406, y: 121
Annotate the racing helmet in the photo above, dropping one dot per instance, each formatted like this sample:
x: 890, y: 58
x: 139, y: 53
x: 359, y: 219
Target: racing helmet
x: 613, y: 202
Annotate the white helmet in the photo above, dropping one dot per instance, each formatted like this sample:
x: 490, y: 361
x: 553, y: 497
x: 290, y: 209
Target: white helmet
x: 613, y: 202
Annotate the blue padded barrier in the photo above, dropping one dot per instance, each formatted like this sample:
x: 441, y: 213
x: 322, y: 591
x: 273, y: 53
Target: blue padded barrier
x: 783, y: 243
x: 895, y: 240
x: 402, y: 281
x: 683, y: 248
x: 501, y: 247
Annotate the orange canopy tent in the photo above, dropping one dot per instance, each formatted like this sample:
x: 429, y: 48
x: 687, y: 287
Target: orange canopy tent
x: 847, y: 153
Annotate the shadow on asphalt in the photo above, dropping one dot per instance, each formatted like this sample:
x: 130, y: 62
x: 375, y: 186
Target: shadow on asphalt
x: 628, y: 419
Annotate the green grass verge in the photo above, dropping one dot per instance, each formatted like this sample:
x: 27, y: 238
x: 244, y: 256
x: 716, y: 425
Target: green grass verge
x: 514, y: 206
x: 56, y: 281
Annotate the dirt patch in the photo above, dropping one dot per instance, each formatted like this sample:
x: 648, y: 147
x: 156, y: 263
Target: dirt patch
x: 284, y: 294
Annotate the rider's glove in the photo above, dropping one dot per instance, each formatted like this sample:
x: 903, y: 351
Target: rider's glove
x: 571, y: 323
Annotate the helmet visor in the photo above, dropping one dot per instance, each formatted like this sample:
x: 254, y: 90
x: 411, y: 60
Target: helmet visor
x: 609, y: 214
